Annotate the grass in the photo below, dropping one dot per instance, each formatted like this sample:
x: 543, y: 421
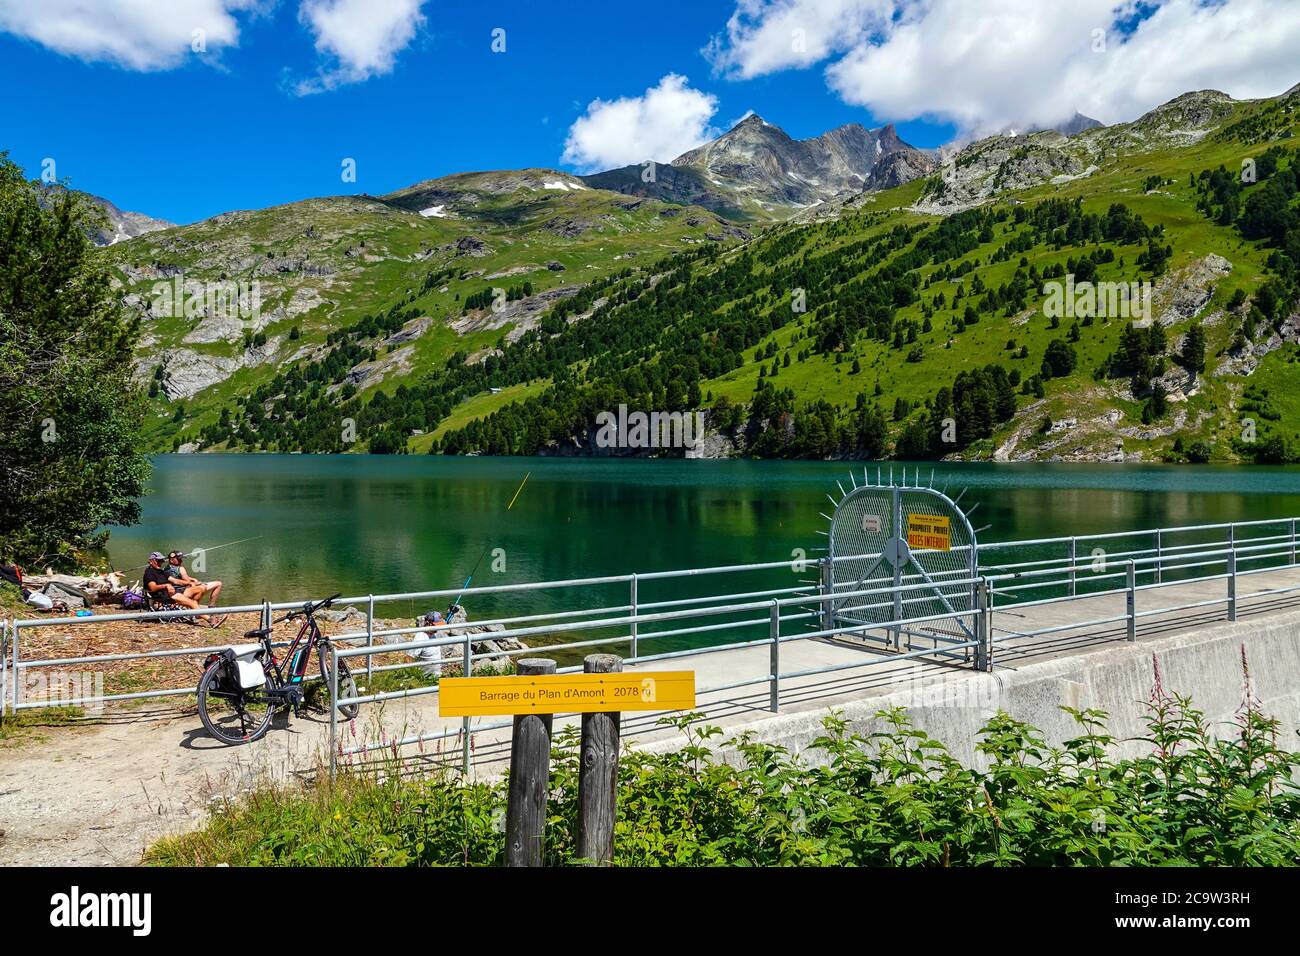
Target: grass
x: 27, y: 726
x: 891, y: 797
x: 404, y: 679
x: 360, y: 820
x: 401, y: 248
x: 1174, y: 206
x: 11, y: 600
x: 479, y: 406
x: 1278, y: 380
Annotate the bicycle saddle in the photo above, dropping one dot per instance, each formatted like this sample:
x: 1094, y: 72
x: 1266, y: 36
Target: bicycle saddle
x: 258, y: 634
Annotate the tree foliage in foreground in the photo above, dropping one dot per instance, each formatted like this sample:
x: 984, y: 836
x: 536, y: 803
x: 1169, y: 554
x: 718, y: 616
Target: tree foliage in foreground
x: 895, y: 797
x: 70, y: 414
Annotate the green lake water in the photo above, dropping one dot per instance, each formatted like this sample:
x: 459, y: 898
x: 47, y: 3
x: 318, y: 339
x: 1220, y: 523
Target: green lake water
x: 380, y: 524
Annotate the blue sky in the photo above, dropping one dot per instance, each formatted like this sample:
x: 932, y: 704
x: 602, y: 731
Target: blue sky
x: 195, y: 141
x: 128, y: 112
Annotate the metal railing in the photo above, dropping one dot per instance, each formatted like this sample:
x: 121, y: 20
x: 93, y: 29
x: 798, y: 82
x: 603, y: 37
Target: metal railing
x: 16, y: 665
x: 1106, y: 574
x: 1241, y: 550
x: 758, y: 612
x: 773, y: 618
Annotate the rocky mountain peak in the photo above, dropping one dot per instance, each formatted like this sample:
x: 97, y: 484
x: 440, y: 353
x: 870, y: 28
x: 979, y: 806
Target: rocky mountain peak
x: 118, y: 225
x: 849, y: 131
x: 1186, y: 118
x: 746, y: 139
x: 888, y: 137
x: 763, y: 163
x: 1202, y: 105
x: 1200, y: 96
x: 1077, y: 124
x: 123, y: 224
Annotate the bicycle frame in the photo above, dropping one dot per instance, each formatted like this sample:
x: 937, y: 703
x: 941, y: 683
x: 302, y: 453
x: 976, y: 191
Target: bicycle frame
x: 311, y: 630
x: 284, y: 684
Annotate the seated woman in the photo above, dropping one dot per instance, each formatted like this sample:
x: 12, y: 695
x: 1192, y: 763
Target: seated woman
x: 194, y: 588
x: 162, y: 587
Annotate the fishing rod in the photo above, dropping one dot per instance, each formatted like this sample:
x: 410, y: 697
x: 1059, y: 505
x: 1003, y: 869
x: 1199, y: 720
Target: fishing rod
x: 464, y: 587
x: 215, y: 547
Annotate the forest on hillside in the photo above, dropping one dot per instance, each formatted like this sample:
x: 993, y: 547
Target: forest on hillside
x: 662, y: 337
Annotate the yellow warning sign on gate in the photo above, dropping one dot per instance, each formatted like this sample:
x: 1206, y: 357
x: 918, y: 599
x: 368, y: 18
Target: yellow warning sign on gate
x: 928, y: 533
x: 566, y: 693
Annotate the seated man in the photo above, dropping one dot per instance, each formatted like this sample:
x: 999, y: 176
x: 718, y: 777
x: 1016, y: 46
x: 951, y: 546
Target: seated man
x: 194, y: 588
x: 160, y: 586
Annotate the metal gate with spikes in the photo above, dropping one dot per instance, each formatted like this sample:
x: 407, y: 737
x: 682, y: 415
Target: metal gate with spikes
x: 891, y: 534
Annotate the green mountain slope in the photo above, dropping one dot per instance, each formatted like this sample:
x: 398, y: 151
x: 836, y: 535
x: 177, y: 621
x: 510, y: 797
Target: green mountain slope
x: 398, y: 271
x: 925, y: 306
x: 909, y: 322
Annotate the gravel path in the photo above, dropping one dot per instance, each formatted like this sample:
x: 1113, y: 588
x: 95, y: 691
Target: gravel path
x: 99, y: 793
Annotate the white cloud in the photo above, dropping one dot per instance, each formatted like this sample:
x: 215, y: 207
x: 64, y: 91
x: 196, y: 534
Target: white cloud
x: 665, y: 122
x: 764, y: 36
x: 994, y: 63
x: 137, y: 34
x: 361, y: 38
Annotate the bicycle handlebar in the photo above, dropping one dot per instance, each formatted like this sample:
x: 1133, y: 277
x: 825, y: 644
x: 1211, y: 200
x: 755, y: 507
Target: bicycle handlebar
x: 311, y: 608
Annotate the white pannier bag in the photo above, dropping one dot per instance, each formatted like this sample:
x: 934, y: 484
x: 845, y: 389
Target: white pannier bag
x: 248, y: 670
x: 251, y: 673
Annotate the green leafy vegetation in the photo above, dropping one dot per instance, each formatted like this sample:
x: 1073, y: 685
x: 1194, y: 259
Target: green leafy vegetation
x: 28, y: 726
x: 894, y: 797
x: 811, y: 331
x: 670, y: 338
x: 71, y: 456
x: 1261, y: 207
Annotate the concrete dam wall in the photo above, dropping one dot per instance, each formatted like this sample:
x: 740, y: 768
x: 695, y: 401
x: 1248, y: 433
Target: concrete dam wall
x: 1119, y: 677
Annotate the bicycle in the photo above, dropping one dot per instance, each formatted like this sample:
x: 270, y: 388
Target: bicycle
x: 239, y: 695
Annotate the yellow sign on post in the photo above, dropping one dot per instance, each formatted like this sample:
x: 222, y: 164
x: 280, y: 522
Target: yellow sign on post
x: 566, y: 693
x: 929, y: 533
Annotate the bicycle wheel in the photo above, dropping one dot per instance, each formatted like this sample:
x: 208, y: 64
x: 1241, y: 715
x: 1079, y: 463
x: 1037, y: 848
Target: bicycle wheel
x: 346, y: 683
x: 233, y: 718
x: 347, y: 686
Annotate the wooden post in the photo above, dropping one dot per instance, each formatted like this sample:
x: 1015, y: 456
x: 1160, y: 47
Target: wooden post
x: 598, y: 775
x: 530, y: 778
